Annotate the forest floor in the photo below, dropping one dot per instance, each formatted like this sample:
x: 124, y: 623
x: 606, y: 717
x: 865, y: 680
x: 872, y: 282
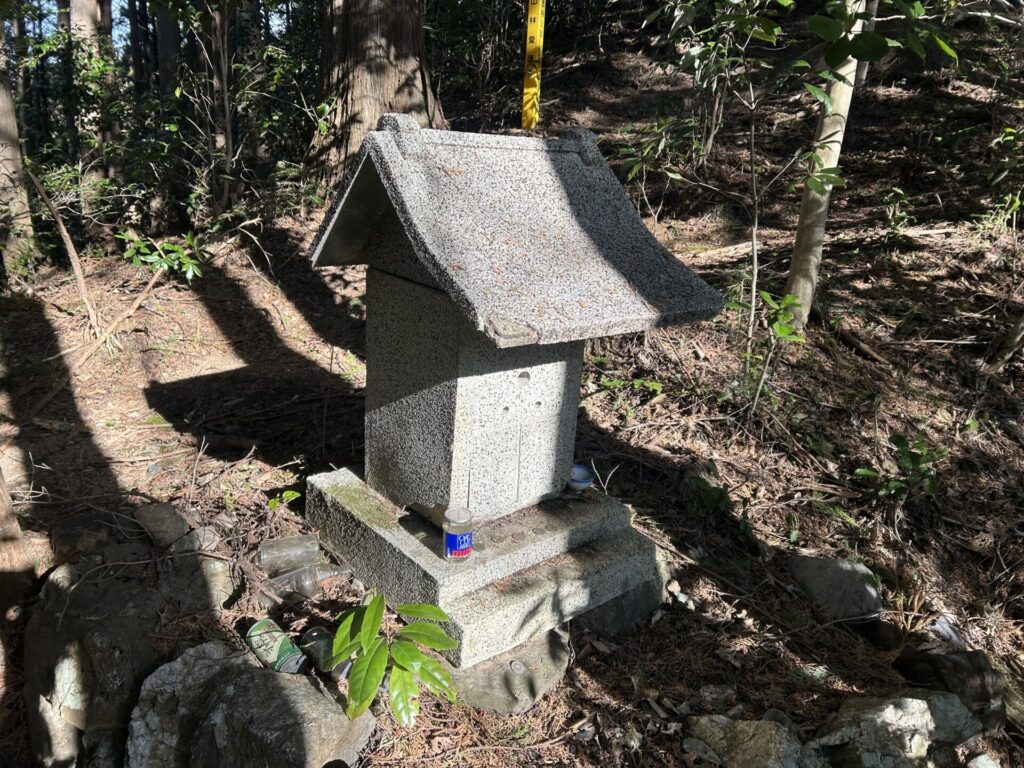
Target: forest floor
x: 221, y: 394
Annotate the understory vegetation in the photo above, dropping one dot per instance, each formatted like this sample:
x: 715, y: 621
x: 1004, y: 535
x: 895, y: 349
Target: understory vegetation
x: 165, y: 339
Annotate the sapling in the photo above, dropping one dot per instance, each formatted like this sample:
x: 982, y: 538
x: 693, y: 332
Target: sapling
x: 360, y: 634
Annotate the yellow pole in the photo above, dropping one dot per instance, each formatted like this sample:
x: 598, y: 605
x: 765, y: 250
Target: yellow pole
x: 534, y: 51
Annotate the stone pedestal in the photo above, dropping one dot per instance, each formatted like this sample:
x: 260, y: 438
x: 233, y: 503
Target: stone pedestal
x: 531, y: 570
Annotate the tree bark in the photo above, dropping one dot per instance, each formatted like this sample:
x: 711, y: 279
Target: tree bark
x: 828, y: 141
x: 869, y: 26
x: 168, y: 46
x: 15, y: 219
x: 373, y: 61
x: 1012, y: 344
x: 136, y: 41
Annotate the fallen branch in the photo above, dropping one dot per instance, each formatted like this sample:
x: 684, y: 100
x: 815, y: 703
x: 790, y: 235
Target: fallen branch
x: 90, y: 350
x: 76, y: 264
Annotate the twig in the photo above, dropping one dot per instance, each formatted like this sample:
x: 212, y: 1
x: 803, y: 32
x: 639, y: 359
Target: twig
x: 76, y: 264
x: 90, y: 350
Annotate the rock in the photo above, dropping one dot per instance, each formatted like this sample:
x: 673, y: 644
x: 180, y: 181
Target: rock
x: 102, y: 749
x: 778, y: 716
x: 91, y: 647
x: 89, y: 644
x: 163, y: 522
x: 515, y: 680
x: 624, y: 613
x: 910, y: 730
x: 843, y: 589
x: 203, y: 539
x: 272, y: 720
x: 752, y: 743
x: 968, y: 674
x: 701, y: 750
x: 173, y: 699
x: 983, y: 761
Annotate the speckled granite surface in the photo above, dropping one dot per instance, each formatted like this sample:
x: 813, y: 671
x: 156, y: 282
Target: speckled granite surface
x: 534, y: 239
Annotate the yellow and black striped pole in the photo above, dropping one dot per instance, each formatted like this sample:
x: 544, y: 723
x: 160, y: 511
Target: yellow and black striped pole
x: 534, y: 51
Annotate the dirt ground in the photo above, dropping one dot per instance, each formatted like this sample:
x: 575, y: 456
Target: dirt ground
x: 222, y: 394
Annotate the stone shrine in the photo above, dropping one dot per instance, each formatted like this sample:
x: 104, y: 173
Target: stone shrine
x: 491, y: 260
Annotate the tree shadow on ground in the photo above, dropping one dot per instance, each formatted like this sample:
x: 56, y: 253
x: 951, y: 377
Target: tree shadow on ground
x: 106, y: 574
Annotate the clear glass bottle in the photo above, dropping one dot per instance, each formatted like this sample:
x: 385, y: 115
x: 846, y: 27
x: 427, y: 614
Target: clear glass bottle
x: 280, y: 555
x: 458, y: 533
x: 300, y: 584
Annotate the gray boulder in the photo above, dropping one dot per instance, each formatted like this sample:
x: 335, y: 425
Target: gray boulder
x: 163, y: 522
x: 515, y: 680
x: 171, y: 702
x: 272, y: 720
x: 843, y: 589
x: 916, y: 729
x: 752, y: 743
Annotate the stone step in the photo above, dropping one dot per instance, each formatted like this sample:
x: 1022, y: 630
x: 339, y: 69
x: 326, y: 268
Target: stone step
x: 511, y: 610
x: 398, y: 552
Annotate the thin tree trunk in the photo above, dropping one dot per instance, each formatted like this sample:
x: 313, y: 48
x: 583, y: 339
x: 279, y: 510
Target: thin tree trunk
x: 68, y: 92
x: 1012, y: 344
x: 86, y: 28
x: 373, y: 61
x: 15, y: 219
x: 828, y: 141
x: 219, y: 52
x: 168, y: 46
x: 869, y: 25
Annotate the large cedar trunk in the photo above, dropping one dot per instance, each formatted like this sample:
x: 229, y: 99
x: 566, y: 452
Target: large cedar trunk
x: 15, y: 221
x: 168, y: 46
x: 372, y: 62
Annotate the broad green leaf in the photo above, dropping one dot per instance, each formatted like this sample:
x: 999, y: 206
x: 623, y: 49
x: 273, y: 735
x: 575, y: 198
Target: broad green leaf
x: 869, y: 46
x: 837, y: 52
x: 404, y: 690
x: 364, y: 679
x: 371, y: 621
x: 430, y: 635
x: 826, y: 28
x: 406, y: 655
x: 422, y: 611
x: 914, y: 43
x: 944, y: 47
x: 435, y: 678
x: 820, y: 95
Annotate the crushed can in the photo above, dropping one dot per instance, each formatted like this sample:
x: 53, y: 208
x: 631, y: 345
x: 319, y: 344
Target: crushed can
x: 458, y: 533
x: 318, y: 645
x: 274, y: 648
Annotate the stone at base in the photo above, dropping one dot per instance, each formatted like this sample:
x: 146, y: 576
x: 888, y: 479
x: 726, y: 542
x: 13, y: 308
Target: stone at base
x: 514, y: 681
x: 625, y: 613
x: 532, y: 570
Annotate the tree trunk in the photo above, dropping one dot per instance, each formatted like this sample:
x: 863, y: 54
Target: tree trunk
x: 828, y: 141
x: 373, y: 61
x: 15, y: 219
x: 86, y: 28
x: 136, y: 41
x: 68, y: 91
x: 1012, y: 344
x: 869, y: 25
x: 168, y: 46
x: 219, y: 51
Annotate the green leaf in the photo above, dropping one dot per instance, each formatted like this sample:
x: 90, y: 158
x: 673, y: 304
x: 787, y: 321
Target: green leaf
x: 371, y: 621
x: 422, y: 611
x: 914, y: 44
x: 364, y: 679
x: 345, y: 637
x: 820, y: 95
x: 869, y: 46
x: 837, y: 52
x: 435, y: 678
x: 430, y: 635
x: 862, y: 472
x: 826, y: 28
x: 944, y: 47
x: 406, y: 655
x: 404, y: 691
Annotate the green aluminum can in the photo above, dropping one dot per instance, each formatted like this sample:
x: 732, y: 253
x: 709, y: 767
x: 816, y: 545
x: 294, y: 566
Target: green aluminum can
x: 274, y: 648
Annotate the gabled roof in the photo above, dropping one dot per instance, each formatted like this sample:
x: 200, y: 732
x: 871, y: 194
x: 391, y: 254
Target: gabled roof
x: 533, y: 238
